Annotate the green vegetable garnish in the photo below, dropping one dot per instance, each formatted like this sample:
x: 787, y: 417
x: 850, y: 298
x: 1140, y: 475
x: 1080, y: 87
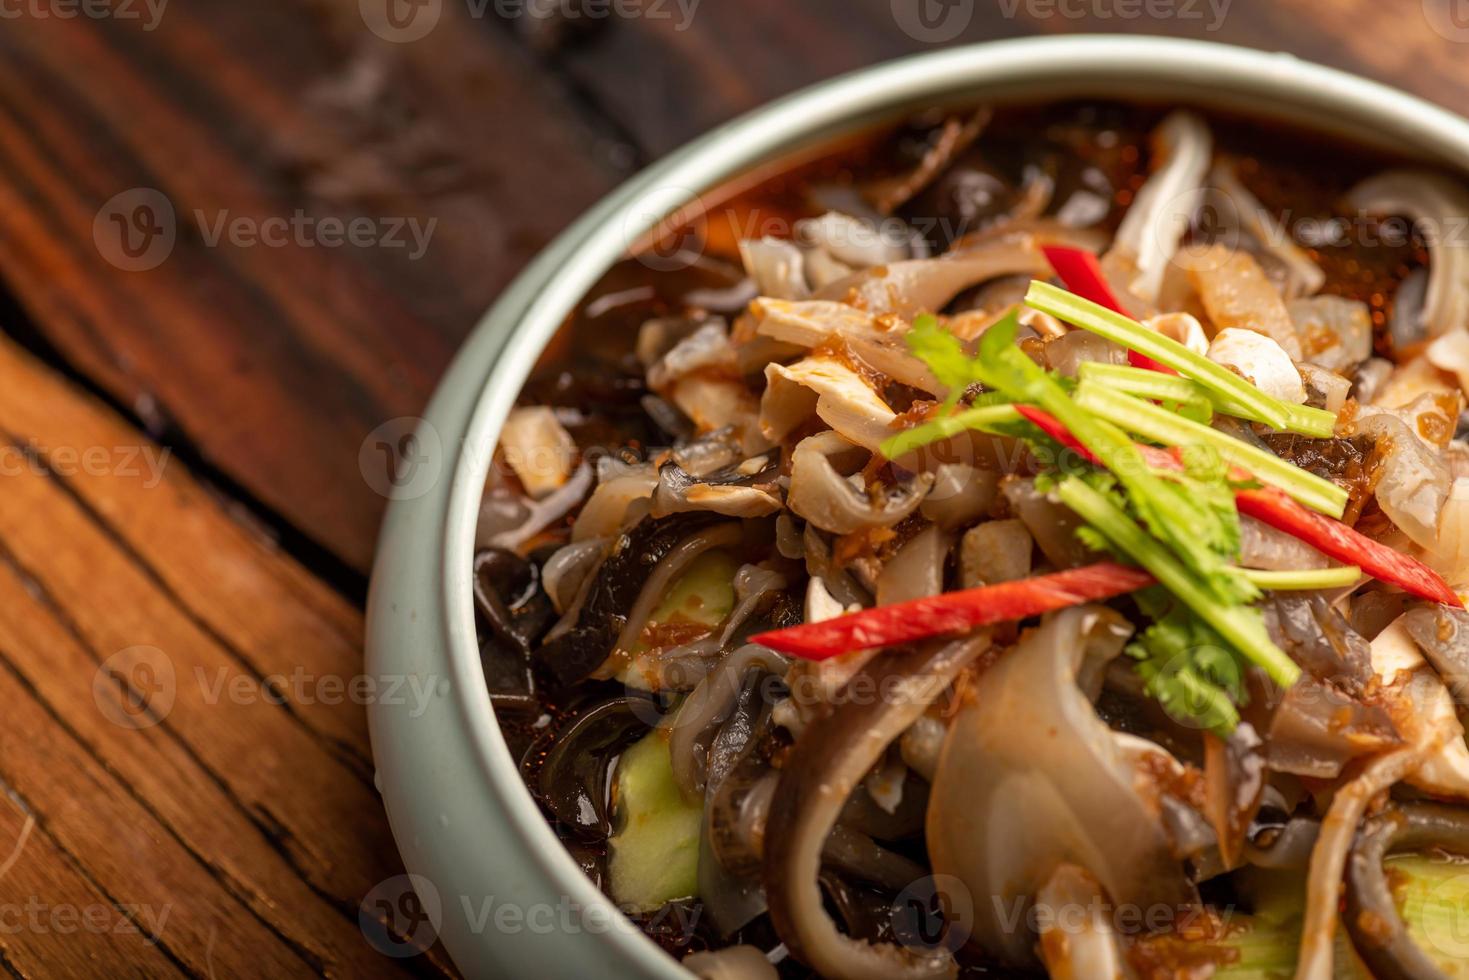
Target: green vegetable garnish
x: 1176, y: 393
x: 1316, y: 578
x: 1161, y: 426
x: 1242, y: 626
x: 1315, y: 422
x: 1187, y: 666
x: 1194, y: 516
x: 983, y: 418
x: 945, y: 356
x: 1182, y: 526
x: 1117, y: 328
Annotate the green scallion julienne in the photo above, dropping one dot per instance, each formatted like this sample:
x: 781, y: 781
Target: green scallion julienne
x: 1296, y: 581
x: 1191, y: 398
x: 1315, y: 422
x: 1241, y: 626
x: 1151, y: 422
x: 1119, y: 329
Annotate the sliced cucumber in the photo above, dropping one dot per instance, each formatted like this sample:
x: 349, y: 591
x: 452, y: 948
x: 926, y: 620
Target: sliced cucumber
x: 1433, y: 897
x: 703, y: 595
x: 654, y: 851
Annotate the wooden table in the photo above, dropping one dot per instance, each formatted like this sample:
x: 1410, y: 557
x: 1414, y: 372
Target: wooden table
x: 185, y: 525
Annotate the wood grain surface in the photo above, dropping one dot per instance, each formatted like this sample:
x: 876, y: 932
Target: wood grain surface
x: 197, y: 343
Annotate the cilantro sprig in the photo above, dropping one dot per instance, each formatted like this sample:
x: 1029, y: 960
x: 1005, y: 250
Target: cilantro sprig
x: 945, y: 356
x: 1181, y: 526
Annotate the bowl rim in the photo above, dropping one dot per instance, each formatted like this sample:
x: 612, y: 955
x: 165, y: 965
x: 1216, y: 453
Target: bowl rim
x: 485, y: 379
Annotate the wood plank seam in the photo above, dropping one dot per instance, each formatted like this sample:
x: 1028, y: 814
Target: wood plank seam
x: 61, y: 884
x: 312, y: 958
x: 80, y: 262
x: 271, y: 829
x: 266, y: 823
x: 359, y: 761
x: 82, y: 872
x: 174, y: 529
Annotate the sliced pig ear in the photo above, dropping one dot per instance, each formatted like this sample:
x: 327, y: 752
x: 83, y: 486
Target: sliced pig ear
x: 1400, y: 663
x: 821, y: 492
x: 855, y: 242
x: 1031, y: 776
x: 1438, y: 206
x: 907, y: 289
x: 829, y: 389
x: 1084, y: 946
x: 1337, y: 330
x: 828, y: 762
x: 1414, y: 480
x: 1303, y: 276
x: 1443, y: 636
x: 538, y: 448
x: 1236, y: 293
x: 1163, y: 208
x: 731, y: 492
x: 1261, y: 361
x: 777, y: 266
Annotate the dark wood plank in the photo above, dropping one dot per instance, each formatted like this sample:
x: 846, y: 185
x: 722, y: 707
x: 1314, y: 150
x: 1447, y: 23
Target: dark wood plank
x: 286, y: 627
x: 135, y: 701
x: 666, y: 79
x: 176, y: 902
x: 276, y: 362
x: 58, y: 922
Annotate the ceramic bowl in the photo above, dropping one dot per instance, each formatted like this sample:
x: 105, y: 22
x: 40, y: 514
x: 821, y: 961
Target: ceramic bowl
x: 500, y: 891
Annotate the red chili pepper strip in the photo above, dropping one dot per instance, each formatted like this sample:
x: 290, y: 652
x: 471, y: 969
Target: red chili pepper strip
x: 1347, y: 545
x: 1274, y: 507
x: 1082, y: 274
x: 955, y: 612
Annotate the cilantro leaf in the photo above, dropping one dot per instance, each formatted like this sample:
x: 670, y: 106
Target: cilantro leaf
x: 945, y: 356
x: 1187, y: 666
